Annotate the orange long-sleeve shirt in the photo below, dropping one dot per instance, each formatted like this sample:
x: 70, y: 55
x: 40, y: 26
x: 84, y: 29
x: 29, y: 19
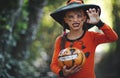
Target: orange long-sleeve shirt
x: 90, y: 40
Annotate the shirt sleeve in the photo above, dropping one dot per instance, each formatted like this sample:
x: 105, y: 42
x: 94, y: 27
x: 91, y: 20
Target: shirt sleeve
x: 54, y: 64
x: 108, y: 35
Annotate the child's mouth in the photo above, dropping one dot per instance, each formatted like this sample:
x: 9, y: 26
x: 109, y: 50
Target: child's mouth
x: 76, y: 24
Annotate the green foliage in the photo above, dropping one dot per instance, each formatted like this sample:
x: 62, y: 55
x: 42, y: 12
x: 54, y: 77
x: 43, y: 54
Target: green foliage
x: 110, y: 60
x: 55, y: 3
x: 6, y: 5
x: 10, y: 31
x: 13, y: 26
x: 48, y: 32
x: 116, y: 20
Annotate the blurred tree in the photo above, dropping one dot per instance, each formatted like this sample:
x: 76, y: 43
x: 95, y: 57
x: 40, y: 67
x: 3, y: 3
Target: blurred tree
x: 45, y: 38
x: 21, y: 31
x: 116, y: 22
x: 19, y: 20
x: 9, y: 12
x: 109, y: 67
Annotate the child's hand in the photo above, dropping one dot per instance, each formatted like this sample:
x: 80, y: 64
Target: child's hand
x: 93, y: 16
x: 72, y: 70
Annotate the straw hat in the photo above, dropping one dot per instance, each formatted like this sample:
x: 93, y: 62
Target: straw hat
x: 59, y: 14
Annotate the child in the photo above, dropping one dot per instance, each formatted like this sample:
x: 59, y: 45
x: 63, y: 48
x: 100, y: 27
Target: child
x: 78, y: 18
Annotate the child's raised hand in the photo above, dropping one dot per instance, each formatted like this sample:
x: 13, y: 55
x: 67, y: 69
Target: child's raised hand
x: 93, y: 16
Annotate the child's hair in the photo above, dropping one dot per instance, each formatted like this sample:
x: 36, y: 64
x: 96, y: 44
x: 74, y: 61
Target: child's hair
x: 63, y: 39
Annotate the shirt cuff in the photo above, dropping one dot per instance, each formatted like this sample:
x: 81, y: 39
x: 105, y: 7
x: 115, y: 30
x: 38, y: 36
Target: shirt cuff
x: 61, y: 73
x: 99, y: 24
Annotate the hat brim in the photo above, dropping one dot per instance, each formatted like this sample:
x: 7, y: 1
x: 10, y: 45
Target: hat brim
x: 58, y: 15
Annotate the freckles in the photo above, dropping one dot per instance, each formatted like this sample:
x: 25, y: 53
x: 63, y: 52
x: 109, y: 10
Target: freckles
x: 82, y: 19
x: 70, y: 20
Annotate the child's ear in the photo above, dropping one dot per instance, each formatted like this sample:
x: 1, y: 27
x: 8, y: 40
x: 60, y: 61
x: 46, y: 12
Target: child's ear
x: 85, y: 18
x: 65, y: 19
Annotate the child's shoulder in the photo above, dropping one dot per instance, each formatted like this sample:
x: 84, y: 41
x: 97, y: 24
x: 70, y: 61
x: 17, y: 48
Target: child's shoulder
x: 59, y: 38
x: 91, y: 33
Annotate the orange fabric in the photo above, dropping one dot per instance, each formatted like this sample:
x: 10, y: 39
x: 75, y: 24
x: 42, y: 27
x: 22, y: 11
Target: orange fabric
x: 90, y: 40
x: 79, y: 1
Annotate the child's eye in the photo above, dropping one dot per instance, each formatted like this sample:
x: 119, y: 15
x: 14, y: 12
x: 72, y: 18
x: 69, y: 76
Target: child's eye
x: 70, y: 16
x: 79, y: 15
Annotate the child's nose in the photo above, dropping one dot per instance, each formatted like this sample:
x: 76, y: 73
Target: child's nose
x: 75, y: 18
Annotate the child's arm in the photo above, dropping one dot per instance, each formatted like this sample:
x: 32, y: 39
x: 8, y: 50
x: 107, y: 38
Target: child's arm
x: 54, y: 64
x: 108, y: 34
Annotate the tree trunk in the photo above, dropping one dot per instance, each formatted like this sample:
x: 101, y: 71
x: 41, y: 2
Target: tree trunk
x: 9, y: 11
x: 35, y: 8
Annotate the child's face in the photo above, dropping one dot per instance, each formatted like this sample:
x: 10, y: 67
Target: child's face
x: 75, y: 19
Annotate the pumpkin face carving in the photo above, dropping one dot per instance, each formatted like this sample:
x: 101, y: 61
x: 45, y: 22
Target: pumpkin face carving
x: 71, y: 56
